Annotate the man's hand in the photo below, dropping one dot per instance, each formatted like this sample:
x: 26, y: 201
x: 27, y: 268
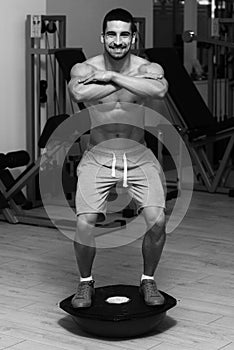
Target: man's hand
x: 150, y: 71
x: 99, y: 76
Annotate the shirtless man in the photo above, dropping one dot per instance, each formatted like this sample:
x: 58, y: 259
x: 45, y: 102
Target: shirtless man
x: 109, y: 83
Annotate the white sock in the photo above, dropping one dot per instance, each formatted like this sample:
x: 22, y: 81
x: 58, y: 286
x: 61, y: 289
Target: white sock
x: 146, y: 277
x: 86, y: 279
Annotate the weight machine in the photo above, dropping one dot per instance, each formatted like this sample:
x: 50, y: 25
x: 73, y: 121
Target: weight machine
x: 45, y: 97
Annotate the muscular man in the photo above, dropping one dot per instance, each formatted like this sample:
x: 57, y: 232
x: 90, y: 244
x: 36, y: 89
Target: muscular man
x: 110, y: 84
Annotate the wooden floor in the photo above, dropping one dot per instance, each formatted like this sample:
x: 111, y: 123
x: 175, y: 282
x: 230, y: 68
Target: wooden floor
x: 197, y: 267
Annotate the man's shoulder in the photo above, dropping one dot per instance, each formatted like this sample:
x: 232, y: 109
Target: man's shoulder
x: 96, y: 61
x: 139, y: 61
x: 87, y: 66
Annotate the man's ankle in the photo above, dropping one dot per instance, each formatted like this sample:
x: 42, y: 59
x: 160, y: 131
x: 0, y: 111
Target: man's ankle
x: 86, y: 279
x: 146, y: 277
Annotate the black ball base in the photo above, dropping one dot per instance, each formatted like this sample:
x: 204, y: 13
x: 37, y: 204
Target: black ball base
x: 127, y: 319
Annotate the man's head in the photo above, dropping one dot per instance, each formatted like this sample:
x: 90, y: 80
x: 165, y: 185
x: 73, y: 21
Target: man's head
x: 118, y: 34
x: 119, y: 14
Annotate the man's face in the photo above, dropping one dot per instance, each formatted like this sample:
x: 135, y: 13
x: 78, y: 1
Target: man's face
x: 118, y: 39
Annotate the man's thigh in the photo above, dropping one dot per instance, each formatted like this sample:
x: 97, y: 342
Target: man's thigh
x: 93, y: 186
x: 146, y: 187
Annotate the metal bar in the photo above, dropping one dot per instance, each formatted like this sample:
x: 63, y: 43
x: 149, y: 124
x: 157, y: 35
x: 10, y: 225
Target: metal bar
x: 14, y: 208
x: 223, y: 164
x: 201, y: 169
x: 56, y: 105
x: 216, y: 42
x: 31, y: 172
x: 9, y: 216
x: 226, y: 84
x: 214, y: 110
x: 41, y: 51
x: 35, y: 220
x: 62, y: 83
x: 29, y: 93
x: 30, y: 103
x: 206, y: 162
x: 47, y: 77
x: 200, y: 187
x: 221, y: 135
x: 38, y: 92
x: 180, y: 165
x: 53, y: 17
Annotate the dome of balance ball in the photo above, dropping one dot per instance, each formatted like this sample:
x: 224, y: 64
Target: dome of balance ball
x: 118, y: 311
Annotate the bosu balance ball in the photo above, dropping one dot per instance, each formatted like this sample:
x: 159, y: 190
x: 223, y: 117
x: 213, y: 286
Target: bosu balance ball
x: 118, y: 311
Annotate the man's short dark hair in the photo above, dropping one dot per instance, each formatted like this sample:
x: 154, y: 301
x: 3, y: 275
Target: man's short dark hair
x: 119, y: 14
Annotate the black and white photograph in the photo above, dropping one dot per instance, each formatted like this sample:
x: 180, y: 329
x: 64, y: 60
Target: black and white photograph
x: 117, y: 175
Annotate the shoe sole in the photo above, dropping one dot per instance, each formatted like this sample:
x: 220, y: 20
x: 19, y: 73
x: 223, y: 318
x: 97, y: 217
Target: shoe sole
x: 80, y: 306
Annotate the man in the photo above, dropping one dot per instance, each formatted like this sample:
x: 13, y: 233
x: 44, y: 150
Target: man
x: 115, y: 80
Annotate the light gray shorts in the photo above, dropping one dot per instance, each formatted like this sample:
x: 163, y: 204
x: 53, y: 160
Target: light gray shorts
x: 100, y: 169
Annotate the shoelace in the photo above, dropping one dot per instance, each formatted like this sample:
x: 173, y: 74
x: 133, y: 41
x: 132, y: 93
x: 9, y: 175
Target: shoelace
x: 151, y: 288
x: 83, y: 290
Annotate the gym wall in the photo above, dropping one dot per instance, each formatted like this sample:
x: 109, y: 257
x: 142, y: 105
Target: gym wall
x: 12, y: 70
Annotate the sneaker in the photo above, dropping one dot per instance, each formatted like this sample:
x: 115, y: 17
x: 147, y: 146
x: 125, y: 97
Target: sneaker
x: 83, y: 296
x: 148, y: 289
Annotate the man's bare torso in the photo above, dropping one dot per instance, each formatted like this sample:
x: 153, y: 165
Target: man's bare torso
x: 118, y: 117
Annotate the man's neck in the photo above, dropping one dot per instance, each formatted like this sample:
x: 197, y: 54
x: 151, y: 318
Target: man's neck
x: 121, y: 66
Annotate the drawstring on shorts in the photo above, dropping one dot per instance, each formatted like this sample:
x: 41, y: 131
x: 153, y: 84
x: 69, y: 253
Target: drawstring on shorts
x: 125, y: 177
x: 113, y: 165
x: 125, y: 174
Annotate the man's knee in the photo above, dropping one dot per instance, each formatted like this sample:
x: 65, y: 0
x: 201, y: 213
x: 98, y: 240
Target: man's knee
x: 155, y: 217
x: 85, y: 224
x: 160, y: 218
x: 86, y: 220
x: 84, y: 229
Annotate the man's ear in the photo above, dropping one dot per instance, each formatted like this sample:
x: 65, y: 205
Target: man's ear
x: 102, y: 38
x: 133, y: 38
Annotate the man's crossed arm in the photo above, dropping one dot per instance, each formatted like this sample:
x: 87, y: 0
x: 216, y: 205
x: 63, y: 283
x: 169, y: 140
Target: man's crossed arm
x: 90, y: 84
